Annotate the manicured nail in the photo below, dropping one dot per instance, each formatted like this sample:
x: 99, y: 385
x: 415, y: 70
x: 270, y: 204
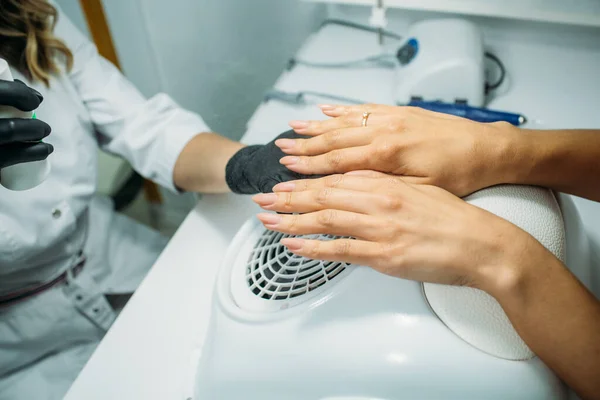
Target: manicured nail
x: 265, y: 199
x: 269, y: 220
x: 293, y: 244
x: 284, y: 187
x: 285, y: 144
x: 288, y: 161
x: 299, y: 124
x: 326, y: 107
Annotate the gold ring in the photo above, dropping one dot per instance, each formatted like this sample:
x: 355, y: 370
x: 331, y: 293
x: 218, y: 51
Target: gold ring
x: 365, y: 118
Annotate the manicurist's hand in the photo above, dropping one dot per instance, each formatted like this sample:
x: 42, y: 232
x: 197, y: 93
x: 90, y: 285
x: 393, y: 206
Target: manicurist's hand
x: 211, y: 163
x: 256, y: 169
x: 20, y: 138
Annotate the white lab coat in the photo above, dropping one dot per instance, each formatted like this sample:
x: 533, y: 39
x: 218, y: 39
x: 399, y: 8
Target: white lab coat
x: 46, y: 340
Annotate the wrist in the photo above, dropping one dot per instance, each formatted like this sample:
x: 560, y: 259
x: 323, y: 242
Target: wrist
x: 510, y: 152
x: 517, y: 256
x: 200, y: 166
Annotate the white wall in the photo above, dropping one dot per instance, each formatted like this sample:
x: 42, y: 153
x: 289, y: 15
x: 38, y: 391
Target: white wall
x: 218, y: 57
x: 73, y: 11
x: 215, y: 57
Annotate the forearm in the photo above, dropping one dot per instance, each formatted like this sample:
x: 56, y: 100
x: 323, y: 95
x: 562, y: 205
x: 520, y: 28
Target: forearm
x: 201, y: 165
x: 557, y: 317
x: 564, y: 160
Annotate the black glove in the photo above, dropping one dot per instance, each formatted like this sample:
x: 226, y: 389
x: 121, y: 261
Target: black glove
x: 256, y: 169
x: 20, y: 138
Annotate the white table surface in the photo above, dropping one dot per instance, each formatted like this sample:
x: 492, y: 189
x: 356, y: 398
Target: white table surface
x: 148, y: 352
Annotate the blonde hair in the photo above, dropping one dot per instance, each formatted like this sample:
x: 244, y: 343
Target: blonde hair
x: 27, y: 39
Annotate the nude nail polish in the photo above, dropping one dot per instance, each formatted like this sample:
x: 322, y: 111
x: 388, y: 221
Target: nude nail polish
x: 269, y: 219
x: 284, y: 187
x: 299, y: 124
x: 285, y: 144
x: 265, y: 199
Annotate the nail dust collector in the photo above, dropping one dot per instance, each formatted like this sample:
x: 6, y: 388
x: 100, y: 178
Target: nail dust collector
x: 442, y: 60
x: 285, y: 327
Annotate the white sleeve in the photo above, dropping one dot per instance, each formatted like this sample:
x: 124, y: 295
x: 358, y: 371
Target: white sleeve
x: 149, y: 133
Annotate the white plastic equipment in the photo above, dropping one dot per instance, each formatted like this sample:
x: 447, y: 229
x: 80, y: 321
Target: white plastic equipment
x: 444, y: 60
x: 284, y: 327
x: 27, y: 175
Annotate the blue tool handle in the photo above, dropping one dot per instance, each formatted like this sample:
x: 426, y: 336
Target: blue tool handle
x: 472, y: 113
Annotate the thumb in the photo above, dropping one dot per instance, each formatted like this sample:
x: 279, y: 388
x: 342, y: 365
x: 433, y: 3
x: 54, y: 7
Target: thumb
x: 367, y: 174
x: 413, y: 180
x: 416, y: 180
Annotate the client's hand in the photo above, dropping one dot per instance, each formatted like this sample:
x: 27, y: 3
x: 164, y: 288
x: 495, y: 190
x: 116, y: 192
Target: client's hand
x: 256, y: 169
x: 415, y: 232
x: 426, y: 147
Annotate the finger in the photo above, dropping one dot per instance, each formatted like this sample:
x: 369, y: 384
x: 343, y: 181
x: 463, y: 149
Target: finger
x: 19, y: 95
x: 381, y: 111
x: 14, y: 130
x: 347, y: 182
x: 23, y: 153
x: 331, y: 222
x: 349, y: 117
x: 413, y: 180
x: 314, y: 128
x: 416, y: 180
x: 367, y: 173
x: 332, y: 140
x: 320, y: 199
x: 333, y: 162
x: 340, y: 110
x: 345, y: 250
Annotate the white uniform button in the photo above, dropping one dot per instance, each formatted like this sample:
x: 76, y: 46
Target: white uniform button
x: 56, y: 213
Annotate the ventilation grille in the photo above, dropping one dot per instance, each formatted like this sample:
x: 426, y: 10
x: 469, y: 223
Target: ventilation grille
x: 274, y: 273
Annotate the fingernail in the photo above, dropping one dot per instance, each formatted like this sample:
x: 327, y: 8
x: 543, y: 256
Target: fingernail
x: 287, y: 161
x: 326, y: 107
x: 285, y: 144
x: 299, y: 124
x: 284, y: 187
x: 269, y: 219
x: 293, y: 244
x: 266, y: 199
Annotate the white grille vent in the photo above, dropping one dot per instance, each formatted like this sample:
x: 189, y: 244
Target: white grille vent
x: 261, y: 276
x: 274, y: 273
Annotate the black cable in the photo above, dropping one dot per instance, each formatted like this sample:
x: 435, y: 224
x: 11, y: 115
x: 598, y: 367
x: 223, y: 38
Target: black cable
x: 361, y: 27
x: 492, y: 86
